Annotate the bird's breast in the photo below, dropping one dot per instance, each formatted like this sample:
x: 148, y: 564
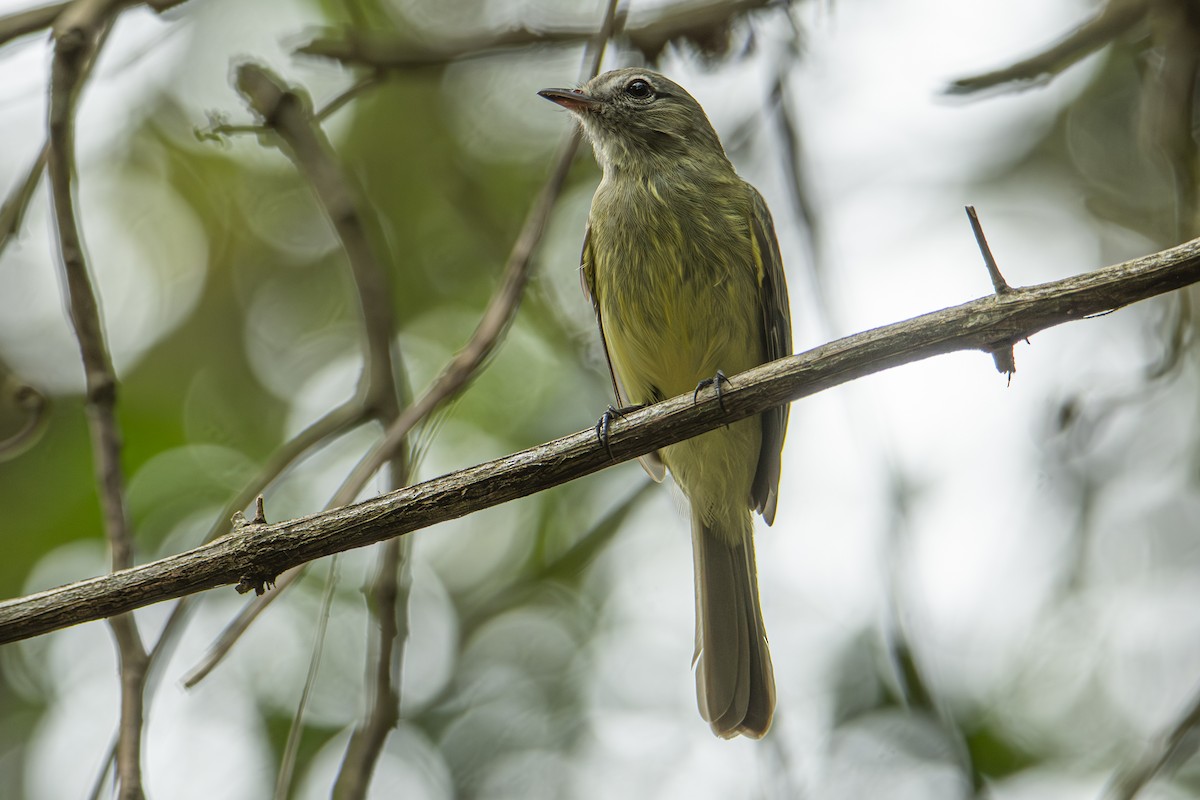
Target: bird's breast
x: 676, y: 280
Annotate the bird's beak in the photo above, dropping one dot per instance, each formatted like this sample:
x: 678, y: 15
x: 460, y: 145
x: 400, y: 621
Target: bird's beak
x: 570, y: 99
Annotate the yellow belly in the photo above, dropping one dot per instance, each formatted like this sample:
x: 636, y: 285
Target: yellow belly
x: 672, y: 319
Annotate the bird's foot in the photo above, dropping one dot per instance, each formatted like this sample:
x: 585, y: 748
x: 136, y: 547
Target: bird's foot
x: 715, y: 382
x: 606, y: 419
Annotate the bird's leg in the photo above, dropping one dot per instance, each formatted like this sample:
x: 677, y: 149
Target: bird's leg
x: 606, y: 419
x: 715, y: 382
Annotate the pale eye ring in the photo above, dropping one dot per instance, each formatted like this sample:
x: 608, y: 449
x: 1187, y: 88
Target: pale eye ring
x: 639, y: 89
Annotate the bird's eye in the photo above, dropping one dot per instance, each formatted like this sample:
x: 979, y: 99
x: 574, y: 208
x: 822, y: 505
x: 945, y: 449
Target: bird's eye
x: 639, y: 89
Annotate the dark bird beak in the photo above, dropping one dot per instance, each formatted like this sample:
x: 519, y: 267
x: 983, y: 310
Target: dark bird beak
x: 570, y: 99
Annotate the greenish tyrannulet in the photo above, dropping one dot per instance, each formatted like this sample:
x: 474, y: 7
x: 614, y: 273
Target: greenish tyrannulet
x: 681, y: 264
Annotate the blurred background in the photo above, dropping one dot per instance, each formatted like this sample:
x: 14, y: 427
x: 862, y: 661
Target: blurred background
x: 972, y: 588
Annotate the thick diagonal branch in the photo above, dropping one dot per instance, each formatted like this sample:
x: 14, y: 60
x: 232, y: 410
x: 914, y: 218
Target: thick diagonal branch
x: 265, y: 550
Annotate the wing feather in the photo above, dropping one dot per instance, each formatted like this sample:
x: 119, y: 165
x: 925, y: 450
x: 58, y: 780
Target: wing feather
x: 777, y: 343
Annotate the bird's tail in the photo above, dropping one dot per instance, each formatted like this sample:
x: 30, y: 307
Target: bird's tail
x: 735, y: 685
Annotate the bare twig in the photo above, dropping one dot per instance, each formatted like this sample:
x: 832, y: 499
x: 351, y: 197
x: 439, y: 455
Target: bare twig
x: 350, y: 93
x: 12, y: 213
x: 383, y: 703
x: 1174, y: 747
x: 705, y: 24
x: 291, y: 748
x: 390, y: 596
x: 332, y: 424
x: 78, y: 32
x: 1168, y: 106
x: 1006, y: 361
x: 23, y: 23
x: 998, y: 283
x: 501, y: 309
x: 289, y: 113
x: 35, y: 405
x: 452, y: 380
x: 269, y: 549
x: 457, y: 374
x: 1117, y: 17
x: 563, y: 568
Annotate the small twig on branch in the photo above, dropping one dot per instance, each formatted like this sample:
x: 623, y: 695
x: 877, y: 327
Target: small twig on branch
x: 976, y: 325
x: 998, y: 283
x: 1006, y: 361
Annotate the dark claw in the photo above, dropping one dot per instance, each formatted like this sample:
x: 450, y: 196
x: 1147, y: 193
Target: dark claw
x: 605, y: 421
x: 714, y: 382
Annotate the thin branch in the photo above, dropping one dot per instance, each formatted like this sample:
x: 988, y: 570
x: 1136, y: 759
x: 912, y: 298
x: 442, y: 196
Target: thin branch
x: 1168, y: 106
x: 35, y: 405
x: 327, y: 427
x: 78, y: 33
x: 1003, y: 356
x: 1174, y: 747
x: 1117, y: 17
x: 452, y: 380
x: 263, y: 551
x: 289, y: 113
x: 562, y: 568
x: 700, y: 23
x: 291, y: 748
x: 998, y: 283
x: 32, y: 20
x: 501, y: 309
x: 366, y: 743
x: 12, y: 213
x: 24, y: 23
x: 350, y: 93
x: 390, y: 595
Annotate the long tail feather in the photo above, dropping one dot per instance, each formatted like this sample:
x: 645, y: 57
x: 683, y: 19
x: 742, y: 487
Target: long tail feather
x: 735, y: 685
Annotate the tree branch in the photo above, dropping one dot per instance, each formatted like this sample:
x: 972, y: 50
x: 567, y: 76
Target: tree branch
x: 1116, y: 18
x: 78, y: 34
x: 705, y: 24
x: 263, y: 551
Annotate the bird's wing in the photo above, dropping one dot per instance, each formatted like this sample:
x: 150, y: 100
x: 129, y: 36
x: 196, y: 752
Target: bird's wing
x: 777, y: 343
x: 651, y: 462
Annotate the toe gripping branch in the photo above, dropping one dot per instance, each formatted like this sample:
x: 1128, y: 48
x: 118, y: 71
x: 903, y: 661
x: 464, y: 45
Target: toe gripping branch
x: 715, y: 381
x: 604, y: 424
x: 606, y: 420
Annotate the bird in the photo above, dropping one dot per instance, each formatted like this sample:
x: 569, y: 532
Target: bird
x: 683, y: 271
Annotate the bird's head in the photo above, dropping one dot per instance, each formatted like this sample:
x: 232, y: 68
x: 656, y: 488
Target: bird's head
x: 639, y: 120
